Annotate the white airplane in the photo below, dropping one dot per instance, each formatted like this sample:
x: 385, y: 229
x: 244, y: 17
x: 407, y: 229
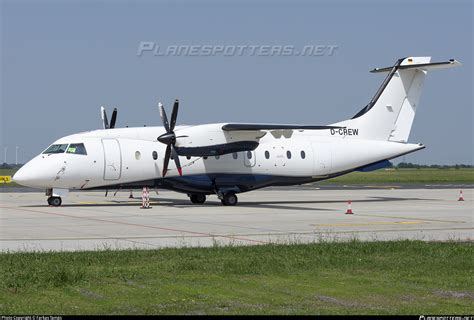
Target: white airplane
x: 229, y: 158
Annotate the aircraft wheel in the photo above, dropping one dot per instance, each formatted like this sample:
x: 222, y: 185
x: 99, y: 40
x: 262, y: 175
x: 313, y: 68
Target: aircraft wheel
x: 54, y: 201
x: 198, y: 198
x: 230, y: 199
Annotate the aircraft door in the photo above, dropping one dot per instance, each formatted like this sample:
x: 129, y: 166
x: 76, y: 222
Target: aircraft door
x: 322, y: 158
x: 249, y: 158
x: 279, y: 156
x: 112, y: 159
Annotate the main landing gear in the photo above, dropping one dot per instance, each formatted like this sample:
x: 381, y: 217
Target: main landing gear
x: 197, y: 198
x: 229, y: 199
x: 54, y: 201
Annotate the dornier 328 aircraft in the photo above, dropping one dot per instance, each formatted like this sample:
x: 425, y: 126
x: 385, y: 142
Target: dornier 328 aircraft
x: 229, y: 158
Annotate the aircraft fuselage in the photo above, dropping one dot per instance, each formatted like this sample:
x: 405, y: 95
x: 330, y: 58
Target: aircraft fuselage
x: 132, y: 158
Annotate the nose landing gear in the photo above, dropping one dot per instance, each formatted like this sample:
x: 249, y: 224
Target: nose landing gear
x: 55, y: 196
x: 54, y: 201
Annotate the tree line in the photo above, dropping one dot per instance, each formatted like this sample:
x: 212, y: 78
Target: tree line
x: 409, y: 165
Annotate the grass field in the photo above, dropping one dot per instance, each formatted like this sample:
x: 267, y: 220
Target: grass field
x: 7, y: 172
x: 398, y: 176
x: 401, y: 277
x: 407, y: 176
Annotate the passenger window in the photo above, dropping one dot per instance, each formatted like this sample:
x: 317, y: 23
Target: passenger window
x: 267, y: 155
x: 205, y: 157
x: 188, y: 157
x: 235, y: 155
x: 217, y: 157
x: 56, y: 148
x: 77, y: 148
x: 303, y: 154
x: 155, y: 155
x: 288, y: 154
x: 249, y: 154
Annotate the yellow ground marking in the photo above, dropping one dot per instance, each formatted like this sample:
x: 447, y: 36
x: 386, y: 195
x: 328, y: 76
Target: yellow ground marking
x: 85, y: 202
x: 106, y: 202
x: 5, y: 179
x: 365, y: 223
x: 113, y: 202
x: 383, y: 187
x: 409, y: 218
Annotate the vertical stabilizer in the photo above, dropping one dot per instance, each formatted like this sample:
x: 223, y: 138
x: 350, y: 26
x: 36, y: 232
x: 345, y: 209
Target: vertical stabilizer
x: 390, y: 113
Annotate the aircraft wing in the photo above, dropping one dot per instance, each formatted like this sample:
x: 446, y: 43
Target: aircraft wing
x: 258, y: 127
x: 220, y: 139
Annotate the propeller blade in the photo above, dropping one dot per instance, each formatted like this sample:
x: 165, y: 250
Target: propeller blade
x: 164, y: 118
x: 167, y: 159
x: 174, y: 114
x: 103, y: 114
x: 176, y: 160
x: 169, y: 138
x: 113, y: 119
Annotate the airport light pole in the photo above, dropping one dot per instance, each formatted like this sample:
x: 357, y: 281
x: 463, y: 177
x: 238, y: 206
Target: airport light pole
x: 5, y: 154
x: 16, y: 155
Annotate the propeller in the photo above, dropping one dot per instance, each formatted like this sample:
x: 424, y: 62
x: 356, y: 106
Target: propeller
x: 169, y: 138
x: 113, y: 119
x: 105, y: 121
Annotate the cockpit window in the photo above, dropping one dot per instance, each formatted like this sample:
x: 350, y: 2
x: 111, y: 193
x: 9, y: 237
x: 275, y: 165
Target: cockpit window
x: 56, y: 148
x: 77, y: 148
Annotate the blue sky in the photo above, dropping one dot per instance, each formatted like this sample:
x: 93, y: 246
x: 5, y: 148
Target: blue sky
x: 60, y: 61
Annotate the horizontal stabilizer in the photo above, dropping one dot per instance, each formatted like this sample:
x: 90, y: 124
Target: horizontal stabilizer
x: 417, y: 63
x: 256, y: 127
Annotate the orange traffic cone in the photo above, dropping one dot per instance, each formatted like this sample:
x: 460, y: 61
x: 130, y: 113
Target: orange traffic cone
x: 461, y: 197
x: 349, y: 207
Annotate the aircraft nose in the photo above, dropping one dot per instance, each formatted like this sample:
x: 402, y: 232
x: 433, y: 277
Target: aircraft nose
x: 22, y: 175
x: 30, y: 175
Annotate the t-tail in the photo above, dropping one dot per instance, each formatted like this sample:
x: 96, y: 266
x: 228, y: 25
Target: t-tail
x: 389, y: 115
